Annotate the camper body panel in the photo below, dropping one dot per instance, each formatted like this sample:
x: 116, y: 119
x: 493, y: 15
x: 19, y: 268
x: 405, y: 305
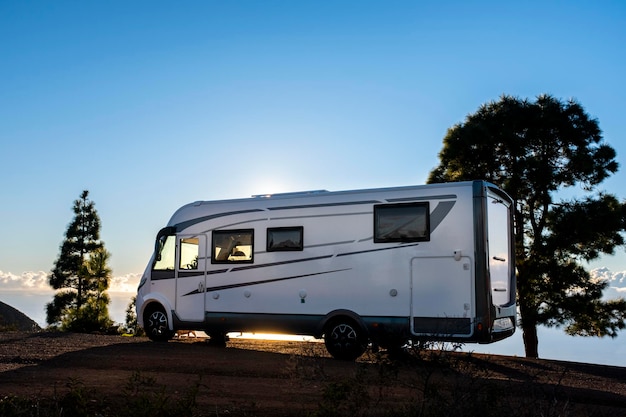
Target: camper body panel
x: 339, y: 263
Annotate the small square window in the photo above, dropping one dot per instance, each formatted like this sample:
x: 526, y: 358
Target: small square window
x: 285, y: 239
x: 401, y: 223
x: 232, y: 246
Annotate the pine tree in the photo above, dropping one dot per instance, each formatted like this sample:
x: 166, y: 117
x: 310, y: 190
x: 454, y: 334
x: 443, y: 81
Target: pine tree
x: 81, y: 275
x: 534, y: 151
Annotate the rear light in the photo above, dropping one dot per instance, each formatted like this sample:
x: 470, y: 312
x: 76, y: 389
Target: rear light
x: 502, y: 324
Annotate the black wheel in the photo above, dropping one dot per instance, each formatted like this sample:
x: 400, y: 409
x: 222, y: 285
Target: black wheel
x: 156, y: 325
x: 345, y: 340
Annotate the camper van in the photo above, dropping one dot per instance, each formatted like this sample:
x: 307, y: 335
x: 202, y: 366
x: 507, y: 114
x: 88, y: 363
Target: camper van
x: 378, y: 266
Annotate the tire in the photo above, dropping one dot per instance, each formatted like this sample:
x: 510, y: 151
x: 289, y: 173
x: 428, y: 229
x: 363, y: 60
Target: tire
x: 344, y: 339
x: 156, y: 325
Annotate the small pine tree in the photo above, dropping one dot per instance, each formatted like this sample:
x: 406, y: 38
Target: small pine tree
x: 81, y: 275
x: 131, y: 319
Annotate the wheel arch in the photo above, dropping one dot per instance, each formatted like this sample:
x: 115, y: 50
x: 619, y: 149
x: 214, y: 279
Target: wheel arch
x: 155, y: 301
x: 341, y: 313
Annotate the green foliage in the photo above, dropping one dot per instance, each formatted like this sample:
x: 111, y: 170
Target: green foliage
x: 131, y: 319
x: 81, y: 275
x: 79, y: 400
x: 535, y: 151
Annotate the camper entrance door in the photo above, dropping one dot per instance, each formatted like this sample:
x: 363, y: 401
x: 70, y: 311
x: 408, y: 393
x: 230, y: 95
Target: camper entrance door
x: 190, y: 277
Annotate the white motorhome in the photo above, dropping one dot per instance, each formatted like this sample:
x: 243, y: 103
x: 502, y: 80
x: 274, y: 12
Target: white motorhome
x: 381, y: 266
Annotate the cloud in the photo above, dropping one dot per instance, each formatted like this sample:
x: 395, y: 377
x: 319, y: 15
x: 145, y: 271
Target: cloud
x: 28, y: 281
x: 37, y: 282
x: 125, y: 283
x: 616, y: 280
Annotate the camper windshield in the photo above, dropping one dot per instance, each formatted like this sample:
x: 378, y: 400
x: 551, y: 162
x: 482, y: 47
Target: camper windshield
x: 165, y: 253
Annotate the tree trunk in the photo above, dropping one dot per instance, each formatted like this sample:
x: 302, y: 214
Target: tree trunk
x: 531, y: 342
x: 79, y: 294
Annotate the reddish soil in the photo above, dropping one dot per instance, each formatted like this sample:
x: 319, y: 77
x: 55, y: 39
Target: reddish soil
x: 270, y: 378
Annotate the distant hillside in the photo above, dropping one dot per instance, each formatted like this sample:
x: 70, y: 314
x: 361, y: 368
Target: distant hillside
x: 12, y: 319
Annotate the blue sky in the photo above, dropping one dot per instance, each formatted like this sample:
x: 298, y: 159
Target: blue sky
x: 150, y: 105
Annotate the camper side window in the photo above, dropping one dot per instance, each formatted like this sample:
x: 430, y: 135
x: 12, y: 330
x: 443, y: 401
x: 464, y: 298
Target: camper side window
x: 189, y: 253
x: 232, y: 246
x: 285, y: 239
x: 407, y: 222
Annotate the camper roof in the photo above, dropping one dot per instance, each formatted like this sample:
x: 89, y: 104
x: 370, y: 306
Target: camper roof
x: 291, y: 194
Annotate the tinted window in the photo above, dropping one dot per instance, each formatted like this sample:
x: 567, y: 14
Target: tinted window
x: 401, y: 222
x: 232, y: 246
x: 284, y: 239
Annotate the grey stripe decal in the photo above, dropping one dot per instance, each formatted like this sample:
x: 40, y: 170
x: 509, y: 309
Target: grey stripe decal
x: 243, y: 268
x: 225, y: 226
x: 436, y: 217
x: 347, y: 203
x: 430, y: 197
x: 217, y: 271
x: 321, y: 245
x: 183, y: 225
x: 376, y: 250
x: 439, y: 213
x: 169, y: 274
x: 266, y: 281
x: 311, y: 216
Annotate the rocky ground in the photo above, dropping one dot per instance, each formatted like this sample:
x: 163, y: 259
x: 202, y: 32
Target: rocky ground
x: 116, y: 375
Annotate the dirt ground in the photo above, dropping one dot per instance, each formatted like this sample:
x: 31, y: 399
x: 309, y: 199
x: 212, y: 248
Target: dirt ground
x: 284, y: 378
